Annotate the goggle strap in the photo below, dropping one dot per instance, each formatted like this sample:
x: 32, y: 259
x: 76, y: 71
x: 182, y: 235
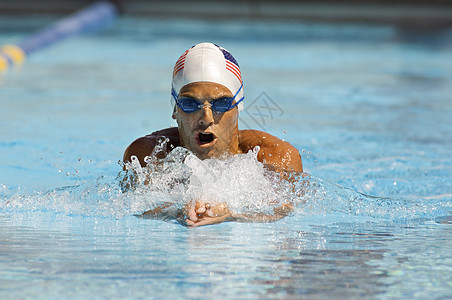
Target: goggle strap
x: 175, y: 96
x: 237, y: 103
x: 238, y: 91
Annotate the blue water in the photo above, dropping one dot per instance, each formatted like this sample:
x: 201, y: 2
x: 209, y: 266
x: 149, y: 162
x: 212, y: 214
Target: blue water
x: 368, y: 107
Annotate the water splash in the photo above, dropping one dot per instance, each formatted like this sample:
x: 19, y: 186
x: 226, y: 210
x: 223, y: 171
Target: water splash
x: 240, y: 181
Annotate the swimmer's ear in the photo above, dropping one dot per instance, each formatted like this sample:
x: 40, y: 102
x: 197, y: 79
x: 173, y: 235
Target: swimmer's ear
x: 174, y: 113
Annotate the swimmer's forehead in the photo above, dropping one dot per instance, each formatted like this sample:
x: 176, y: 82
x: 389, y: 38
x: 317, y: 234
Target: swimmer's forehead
x: 205, y: 90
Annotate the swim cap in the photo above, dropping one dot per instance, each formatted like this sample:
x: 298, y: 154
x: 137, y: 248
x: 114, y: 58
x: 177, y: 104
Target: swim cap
x: 208, y: 62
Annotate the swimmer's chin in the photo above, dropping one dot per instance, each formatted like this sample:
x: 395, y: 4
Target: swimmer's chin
x: 209, y: 145
x: 208, y: 152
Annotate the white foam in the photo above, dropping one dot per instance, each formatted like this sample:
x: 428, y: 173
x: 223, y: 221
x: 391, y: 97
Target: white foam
x: 240, y: 181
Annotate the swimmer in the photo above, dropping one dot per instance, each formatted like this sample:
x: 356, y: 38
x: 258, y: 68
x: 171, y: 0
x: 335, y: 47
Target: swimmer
x: 207, y: 94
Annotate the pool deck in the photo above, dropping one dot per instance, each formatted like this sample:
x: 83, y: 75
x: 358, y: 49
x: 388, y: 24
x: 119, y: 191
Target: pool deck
x: 422, y: 14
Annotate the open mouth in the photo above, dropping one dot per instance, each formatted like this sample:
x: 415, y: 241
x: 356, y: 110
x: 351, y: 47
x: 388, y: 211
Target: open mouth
x: 205, y: 138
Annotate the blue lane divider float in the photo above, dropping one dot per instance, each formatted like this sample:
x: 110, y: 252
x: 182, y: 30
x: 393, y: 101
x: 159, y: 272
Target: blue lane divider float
x: 94, y: 17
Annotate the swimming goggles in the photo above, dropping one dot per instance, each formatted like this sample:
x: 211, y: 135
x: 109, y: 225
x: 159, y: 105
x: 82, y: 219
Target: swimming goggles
x: 189, y: 105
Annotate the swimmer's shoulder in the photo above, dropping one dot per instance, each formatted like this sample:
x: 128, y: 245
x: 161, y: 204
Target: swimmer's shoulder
x: 273, y: 151
x: 144, y: 146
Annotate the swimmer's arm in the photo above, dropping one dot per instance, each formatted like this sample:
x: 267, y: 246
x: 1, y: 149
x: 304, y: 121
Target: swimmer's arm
x: 161, y: 212
x: 140, y: 148
x: 199, y: 213
x: 279, y: 213
x: 279, y: 155
x: 192, y: 215
x: 144, y: 146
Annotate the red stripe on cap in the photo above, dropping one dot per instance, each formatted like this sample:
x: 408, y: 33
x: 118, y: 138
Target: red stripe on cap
x: 181, y: 59
x: 234, y: 70
x: 233, y: 66
x: 238, y: 77
x: 178, y: 69
x: 180, y: 63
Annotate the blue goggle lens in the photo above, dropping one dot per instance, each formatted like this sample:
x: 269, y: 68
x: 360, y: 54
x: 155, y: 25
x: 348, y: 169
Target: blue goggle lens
x: 189, y: 105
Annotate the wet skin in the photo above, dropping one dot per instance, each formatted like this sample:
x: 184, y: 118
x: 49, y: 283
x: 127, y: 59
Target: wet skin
x: 209, y: 134
x: 206, y: 133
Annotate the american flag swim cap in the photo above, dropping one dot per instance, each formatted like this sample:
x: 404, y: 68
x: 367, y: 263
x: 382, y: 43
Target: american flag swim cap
x: 208, y: 62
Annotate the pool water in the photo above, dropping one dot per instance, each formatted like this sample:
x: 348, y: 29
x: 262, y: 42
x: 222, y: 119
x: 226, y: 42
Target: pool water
x: 368, y: 107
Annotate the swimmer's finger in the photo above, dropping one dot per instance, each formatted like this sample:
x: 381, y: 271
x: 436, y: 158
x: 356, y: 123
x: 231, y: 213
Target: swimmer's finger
x: 200, y: 207
x: 188, y: 222
x: 201, y: 210
x: 192, y: 216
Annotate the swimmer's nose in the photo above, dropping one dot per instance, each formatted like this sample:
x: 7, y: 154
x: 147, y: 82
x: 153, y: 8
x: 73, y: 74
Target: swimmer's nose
x: 206, y: 118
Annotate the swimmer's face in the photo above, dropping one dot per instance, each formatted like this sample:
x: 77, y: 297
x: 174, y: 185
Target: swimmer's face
x: 205, y: 132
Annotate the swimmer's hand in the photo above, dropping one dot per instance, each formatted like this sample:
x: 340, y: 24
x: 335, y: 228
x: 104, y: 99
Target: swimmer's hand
x: 200, y: 213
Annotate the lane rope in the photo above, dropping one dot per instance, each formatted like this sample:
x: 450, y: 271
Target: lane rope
x: 94, y: 17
